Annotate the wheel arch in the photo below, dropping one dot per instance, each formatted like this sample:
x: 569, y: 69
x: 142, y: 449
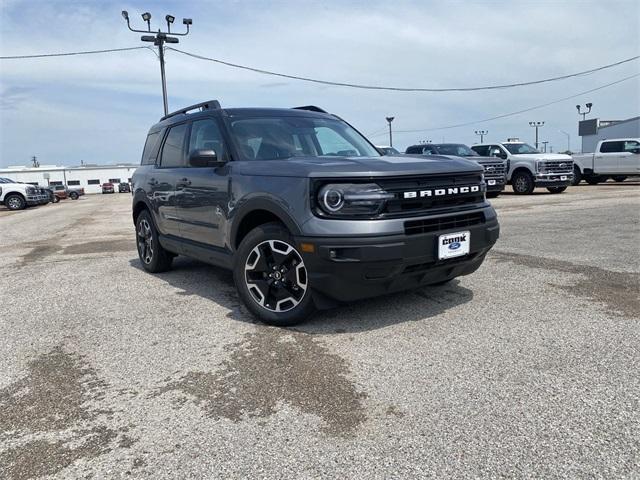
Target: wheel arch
x: 256, y: 213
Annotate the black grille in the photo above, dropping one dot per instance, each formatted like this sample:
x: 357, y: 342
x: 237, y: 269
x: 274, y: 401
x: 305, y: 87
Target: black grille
x: 416, y: 227
x: 402, y: 206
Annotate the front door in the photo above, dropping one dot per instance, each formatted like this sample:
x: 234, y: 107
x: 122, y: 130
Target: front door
x: 607, y: 160
x: 202, y: 193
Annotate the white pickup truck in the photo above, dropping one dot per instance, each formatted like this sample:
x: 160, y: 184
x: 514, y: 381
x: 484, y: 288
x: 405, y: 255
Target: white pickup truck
x: 16, y: 196
x: 617, y: 158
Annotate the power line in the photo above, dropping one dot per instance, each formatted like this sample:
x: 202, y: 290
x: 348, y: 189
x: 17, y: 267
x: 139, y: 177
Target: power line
x: 401, y: 89
x: 515, y: 113
x: 68, y: 54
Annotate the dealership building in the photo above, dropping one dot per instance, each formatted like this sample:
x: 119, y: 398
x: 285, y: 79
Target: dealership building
x: 89, y: 177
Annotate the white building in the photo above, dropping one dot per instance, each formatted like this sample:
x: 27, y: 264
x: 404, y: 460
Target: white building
x: 594, y: 130
x: 89, y: 177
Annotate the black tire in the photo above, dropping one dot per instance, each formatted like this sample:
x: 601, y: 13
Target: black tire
x: 14, y: 201
x: 73, y: 196
x: 56, y: 199
x: 493, y: 194
x: 619, y: 178
x: 577, y: 176
x: 439, y: 284
x: 153, y: 257
x: 271, y: 277
x: 595, y: 179
x: 556, y: 189
x: 522, y: 183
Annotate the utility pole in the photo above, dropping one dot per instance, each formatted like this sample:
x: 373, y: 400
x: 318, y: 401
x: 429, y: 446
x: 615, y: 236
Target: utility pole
x: 584, y: 114
x: 482, y: 133
x: 159, y: 39
x: 568, y: 140
x: 35, y: 162
x: 389, y: 120
x: 545, y: 146
x: 536, y: 125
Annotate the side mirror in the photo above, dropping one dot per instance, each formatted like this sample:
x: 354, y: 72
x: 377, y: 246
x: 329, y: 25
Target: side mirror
x: 204, y: 158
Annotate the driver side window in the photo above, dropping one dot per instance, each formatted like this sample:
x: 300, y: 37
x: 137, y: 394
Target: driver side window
x: 206, y: 135
x: 495, y: 151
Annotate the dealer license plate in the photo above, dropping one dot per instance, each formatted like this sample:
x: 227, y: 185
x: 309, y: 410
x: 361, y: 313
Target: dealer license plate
x: 453, y: 245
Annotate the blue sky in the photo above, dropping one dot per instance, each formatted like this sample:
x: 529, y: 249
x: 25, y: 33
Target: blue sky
x: 98, y: 108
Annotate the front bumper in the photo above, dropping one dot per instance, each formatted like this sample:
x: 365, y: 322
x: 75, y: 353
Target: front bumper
x: 353, y: 268
x: 498, y: 184
x: 553, y: 179
x: 33, y: 199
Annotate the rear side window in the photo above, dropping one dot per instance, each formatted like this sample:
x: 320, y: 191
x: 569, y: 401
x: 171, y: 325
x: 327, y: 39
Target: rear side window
x: 631, y: 146
x: 612, y: 147
x: 150, y: 151
x: 173, y: 149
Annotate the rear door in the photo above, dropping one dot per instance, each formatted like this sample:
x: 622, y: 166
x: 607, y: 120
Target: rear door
x: 161, y: 181
x: 607, y: 160
x: 202, y: 193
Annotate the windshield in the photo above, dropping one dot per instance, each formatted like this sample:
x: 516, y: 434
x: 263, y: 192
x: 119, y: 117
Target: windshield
x: 271, y: 138
x: 456, y: 149
x: 5, y: 180
x: 519, y: 148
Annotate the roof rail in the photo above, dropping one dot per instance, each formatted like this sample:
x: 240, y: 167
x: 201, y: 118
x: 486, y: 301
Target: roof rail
x: 208, y: 105
x: 311, y: 108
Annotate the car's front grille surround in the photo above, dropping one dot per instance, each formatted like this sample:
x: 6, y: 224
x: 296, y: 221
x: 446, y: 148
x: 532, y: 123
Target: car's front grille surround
x: 555, y: 166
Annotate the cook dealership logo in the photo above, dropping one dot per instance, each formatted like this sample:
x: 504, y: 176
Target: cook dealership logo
x: 442, y: 192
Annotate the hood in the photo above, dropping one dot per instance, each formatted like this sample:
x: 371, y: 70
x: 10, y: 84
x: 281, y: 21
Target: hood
x: 384, y: 166
x: 543, y: 156
x: 480, y: 159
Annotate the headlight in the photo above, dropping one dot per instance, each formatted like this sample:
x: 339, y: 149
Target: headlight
x: 352, y: 199
x: 539, y: 166
x: 31, y: 191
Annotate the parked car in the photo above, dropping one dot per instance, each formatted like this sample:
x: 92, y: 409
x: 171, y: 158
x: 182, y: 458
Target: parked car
x: 108, y: 188
x: 528, y: 168
x: 59, y: 191
x: 303, y: 208
x: 617, y: 158
x: 386, y: 150
x: 495, y: 169
x: 124, y: 188
x: 53, y: 198
x: 17, y: 196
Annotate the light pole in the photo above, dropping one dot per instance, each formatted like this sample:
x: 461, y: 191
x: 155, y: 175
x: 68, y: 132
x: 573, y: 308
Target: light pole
x: 584, y: 114
x: 389, y: 120
x: 568, y: 140
x: 159, y: 39
x: 482, y: 133
x: 536, y: 125
x: 545, y: 146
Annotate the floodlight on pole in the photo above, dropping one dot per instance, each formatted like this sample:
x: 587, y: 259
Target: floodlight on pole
x: 482, y: 133
x: 159, y: 39
x: 584, y: 114
x: 389, y: 120
x: 536, y: 125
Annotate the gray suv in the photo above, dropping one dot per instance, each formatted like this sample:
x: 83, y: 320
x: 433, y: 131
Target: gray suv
x: 303, y: 209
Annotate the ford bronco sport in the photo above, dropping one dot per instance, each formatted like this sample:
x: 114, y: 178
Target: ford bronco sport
x: 303, y: 209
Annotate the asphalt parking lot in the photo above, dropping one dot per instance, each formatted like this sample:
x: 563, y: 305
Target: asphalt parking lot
x: 528, y: 368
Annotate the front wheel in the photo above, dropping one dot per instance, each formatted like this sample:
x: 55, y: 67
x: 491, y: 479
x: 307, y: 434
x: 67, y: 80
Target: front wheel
x: 15, y: 202
x: 556, y: 189
x: 56, y: 199
x: 522, y: 183
x: 595, y: 179
x: 271, y: 276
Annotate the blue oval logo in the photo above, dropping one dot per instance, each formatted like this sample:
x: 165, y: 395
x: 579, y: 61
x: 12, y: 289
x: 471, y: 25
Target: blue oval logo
x: 454, y: 246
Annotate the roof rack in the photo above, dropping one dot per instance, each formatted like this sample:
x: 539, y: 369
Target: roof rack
x: 311, y: 108
x: 208, y: 105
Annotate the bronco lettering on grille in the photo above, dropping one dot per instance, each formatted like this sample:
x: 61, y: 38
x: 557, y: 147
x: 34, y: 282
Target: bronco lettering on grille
x: 439, y: 192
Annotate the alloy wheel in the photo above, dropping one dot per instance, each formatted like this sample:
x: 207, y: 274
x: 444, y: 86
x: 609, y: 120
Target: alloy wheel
x: 276, y: 276
x: 14, y: 203
x: 145, y: 241
x: 521, y: 184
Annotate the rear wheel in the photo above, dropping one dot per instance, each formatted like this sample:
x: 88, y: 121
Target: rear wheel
x: 154, y: 258
x: 15, y: 202
x: 577, y: 176
x: 619, y: 178
x: 73, y: 196
x: 556, y: 189
x: 271, y: 276
x: 522, y: 183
